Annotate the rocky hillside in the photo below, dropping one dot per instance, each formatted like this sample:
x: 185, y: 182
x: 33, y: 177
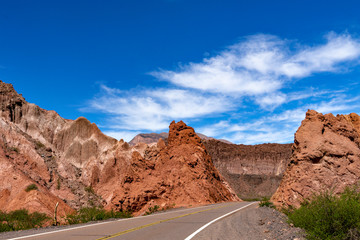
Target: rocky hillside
x: 253, y: 171
x: 326, y: 156
x: 74, y: 163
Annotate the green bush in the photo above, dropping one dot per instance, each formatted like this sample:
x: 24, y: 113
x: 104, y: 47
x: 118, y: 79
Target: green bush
x: 31, y: 187
x: 21, y: 220
x: 265, y: 202
x: 152, y: 210
x: 94, y: 214
x: 327, y: 216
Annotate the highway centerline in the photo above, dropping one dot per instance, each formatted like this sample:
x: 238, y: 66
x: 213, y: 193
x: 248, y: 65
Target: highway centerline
x: 150, y: 224
x: 155, y: 223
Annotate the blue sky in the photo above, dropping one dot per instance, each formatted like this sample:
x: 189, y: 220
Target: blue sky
x: 246, y: 71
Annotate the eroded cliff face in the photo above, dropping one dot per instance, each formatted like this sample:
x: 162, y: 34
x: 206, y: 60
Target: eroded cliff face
x: 180, y: 173
x: 253, y: 171
x: 73, y: 162
x: 326, y: 156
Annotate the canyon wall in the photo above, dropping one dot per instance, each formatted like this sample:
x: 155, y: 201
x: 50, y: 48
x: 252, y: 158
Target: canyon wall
x: 253, y: 171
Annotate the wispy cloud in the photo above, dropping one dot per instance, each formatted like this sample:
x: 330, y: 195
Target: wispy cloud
x: 257, y: 73
x: 261, y: 64
x: 154, y: 109
x: 279, y: 127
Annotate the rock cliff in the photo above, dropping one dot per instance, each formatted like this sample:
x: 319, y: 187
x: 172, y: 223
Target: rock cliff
x: 326, y: 156
x: 253, y: 171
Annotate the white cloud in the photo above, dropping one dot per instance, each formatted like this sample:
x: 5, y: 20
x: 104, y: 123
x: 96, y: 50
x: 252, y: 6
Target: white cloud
x: 279, y: 128
x: 271, y: 101
x: 125, y: 135
x: 154, y: 109
x: 261, y: 64
x: 254, y: 75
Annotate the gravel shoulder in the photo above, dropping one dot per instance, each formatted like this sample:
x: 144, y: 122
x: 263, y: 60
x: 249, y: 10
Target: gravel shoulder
x: 252, y: 223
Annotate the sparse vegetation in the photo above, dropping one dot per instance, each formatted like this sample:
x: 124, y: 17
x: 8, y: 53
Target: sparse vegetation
x: 31, y: 187
x: 95, y: 214
x: 152, y: 210
x: 327, y: 216
x: 21, y: 220
x: 58, y: 186
x: 14, y: 149
x: 265, y: 202
x: 90, y: 189
x: 39, y: 145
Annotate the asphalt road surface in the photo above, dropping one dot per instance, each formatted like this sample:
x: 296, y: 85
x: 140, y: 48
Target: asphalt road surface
x: 172, y: 225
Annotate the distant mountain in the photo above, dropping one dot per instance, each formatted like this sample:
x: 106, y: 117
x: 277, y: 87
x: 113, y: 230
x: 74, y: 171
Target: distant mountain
x: 149, y: 138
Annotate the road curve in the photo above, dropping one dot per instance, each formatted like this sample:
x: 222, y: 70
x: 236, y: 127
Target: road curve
x: 172, y: 225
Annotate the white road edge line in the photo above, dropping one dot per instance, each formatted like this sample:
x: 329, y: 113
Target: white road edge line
x: 206, y: 225
x: 94, y: 224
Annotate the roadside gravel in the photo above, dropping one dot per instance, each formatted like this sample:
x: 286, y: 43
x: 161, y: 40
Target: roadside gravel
x: 252, y: 223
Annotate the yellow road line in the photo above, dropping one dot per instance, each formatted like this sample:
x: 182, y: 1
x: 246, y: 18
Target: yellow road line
x: 154, y: 223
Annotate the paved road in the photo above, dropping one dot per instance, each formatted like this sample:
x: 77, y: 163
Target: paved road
x: 178, y: 224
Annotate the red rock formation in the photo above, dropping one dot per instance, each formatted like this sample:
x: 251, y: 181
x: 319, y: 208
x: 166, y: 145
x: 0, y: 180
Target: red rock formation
x: 326, y: 155
x: 253, y: 171
x: 75, y: 162
x: 180, y: 173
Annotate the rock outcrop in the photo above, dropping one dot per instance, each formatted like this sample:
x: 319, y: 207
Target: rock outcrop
x: 253, y: 171
x: 326, y: 155
x: 177, y: 174
x: 74, y: 163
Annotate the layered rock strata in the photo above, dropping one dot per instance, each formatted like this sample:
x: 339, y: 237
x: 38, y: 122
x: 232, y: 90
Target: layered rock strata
x: 253, y: 171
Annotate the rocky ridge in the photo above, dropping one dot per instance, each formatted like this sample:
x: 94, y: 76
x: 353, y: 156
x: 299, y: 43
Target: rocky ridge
x: 326, y: 155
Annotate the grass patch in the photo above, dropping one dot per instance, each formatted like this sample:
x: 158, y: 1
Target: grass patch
x: 152, y: 210
x: 265, y: 202
x: 95, y: 214
x: 21, y: 220
x: 31, y: 187
x: 327, y: 216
